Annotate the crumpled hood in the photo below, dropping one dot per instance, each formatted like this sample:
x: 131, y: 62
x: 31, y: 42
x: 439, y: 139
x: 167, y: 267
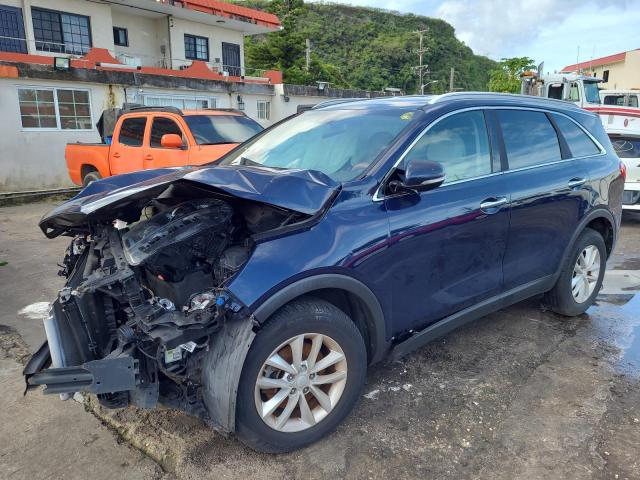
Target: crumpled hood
x: 303, y: 191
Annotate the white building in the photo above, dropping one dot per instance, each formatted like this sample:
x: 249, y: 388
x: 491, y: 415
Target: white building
x: 183, y: 53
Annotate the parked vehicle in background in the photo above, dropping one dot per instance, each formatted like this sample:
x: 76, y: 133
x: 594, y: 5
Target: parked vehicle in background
x: 155, y: 137
x: 627, y: 146
x: 581, y: 90
x: 255, y: 293
x: 620, y: 98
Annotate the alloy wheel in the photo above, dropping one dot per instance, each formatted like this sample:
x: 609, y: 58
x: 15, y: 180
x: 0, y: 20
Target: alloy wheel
x: 585, y: 273
x: 301, y: 382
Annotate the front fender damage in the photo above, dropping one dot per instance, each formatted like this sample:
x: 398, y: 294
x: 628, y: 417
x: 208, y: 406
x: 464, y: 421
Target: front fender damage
x: 222, y: 370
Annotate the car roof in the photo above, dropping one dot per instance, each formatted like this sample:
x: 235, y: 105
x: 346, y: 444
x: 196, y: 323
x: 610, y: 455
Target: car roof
x: 425, y: 102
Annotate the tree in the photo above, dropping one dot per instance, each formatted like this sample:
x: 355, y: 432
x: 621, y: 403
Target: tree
x: 506, y: 77
x: 361, y: 48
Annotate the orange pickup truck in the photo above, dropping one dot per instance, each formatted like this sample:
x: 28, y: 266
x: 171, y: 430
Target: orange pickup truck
x: 155, y: 137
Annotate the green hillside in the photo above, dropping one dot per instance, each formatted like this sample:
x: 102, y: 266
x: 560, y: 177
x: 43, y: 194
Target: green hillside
x: 360, y: 47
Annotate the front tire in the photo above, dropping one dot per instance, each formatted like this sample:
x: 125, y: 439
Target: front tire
x: 302, y: 376
x: 581, y: 278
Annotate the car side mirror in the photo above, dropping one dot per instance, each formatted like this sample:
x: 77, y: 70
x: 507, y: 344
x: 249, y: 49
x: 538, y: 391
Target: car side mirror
x: 422, y: 175
x: 171, y: 140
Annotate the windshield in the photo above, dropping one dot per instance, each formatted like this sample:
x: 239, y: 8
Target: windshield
x: 339, y: 143
x: 591, y: 93
x: 220, y: 129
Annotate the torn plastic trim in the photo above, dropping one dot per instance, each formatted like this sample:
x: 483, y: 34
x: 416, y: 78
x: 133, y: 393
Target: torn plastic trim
x: 222, y: 369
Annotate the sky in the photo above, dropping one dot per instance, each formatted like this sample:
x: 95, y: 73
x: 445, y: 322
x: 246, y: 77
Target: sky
x: 554, y: 31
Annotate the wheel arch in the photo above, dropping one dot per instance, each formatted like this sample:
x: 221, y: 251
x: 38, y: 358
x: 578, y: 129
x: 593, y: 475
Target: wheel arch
x: 348, y: 294
x: 600, y: 220
x: 87, y: 168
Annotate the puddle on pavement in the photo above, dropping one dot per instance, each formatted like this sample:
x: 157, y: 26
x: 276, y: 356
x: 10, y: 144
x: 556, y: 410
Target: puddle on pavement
x: 616, y: 318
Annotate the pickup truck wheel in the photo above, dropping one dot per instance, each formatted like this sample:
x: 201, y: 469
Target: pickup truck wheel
x: 581, y: 278
x: 302, y: 376
x: 92, y: 176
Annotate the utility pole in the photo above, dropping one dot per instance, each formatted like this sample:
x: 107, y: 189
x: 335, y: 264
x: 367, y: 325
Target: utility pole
x: 421, y: 68
x: 451, y: 75
x: 307, y: 54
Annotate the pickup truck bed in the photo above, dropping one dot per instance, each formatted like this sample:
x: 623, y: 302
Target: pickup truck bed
x: 84, y: 158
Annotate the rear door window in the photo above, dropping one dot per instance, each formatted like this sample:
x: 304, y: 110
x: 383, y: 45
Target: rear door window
x: 529, y: 138
x: 460, y: 143
x: 579, y: 142
x: 132, y: 131
x: 163, y: 126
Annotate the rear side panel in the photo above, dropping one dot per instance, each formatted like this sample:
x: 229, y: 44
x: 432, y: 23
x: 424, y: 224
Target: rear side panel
x: 78, y: 155
x: 605, y: 182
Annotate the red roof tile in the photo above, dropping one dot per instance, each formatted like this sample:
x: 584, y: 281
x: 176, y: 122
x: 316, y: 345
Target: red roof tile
x: 230, y: 10
x: 618, y: 57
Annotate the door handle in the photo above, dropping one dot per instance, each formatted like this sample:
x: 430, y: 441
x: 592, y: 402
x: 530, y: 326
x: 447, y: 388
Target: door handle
x: 576, y: 182
x: 116, y: 155
x: 492, y: 204
x: 148, y: 157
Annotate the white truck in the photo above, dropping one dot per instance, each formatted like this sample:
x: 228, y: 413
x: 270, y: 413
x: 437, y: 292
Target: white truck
x: 579, y: 89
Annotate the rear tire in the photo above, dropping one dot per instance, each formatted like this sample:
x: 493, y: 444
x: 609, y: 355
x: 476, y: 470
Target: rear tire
x: 581, y: 278
x: 92, y: 176
x: 316, y: 413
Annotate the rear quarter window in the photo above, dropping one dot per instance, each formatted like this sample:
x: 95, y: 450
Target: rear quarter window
x: 579, y: 142
x: 529, y: 138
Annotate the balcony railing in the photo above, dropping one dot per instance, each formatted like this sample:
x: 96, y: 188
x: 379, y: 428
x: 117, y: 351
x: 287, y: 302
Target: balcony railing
x: 149, y: 64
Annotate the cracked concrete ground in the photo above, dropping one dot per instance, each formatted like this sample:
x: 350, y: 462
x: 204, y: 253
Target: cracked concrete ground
x: 521, y: 394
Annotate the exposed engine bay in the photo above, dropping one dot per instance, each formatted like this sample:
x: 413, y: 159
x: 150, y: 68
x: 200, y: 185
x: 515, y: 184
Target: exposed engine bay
x: 145, y: 293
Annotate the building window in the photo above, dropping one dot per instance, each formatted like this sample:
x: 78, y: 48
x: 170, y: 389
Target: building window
x: 181, y: 102
x: 120, y: 37
x: 231, y: 59
x: 12, y: 38
x: 74, y: 109
x: 196, y: 48
x: 61, y: 32
x: 605, y: 76
x: 264, y: 110
x: 52, y: 108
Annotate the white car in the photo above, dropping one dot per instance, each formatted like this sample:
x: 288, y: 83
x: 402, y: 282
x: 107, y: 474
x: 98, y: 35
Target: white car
x: 627, y: 148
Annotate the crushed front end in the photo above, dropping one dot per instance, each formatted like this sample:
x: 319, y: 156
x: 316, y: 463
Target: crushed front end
x: 143, y: 299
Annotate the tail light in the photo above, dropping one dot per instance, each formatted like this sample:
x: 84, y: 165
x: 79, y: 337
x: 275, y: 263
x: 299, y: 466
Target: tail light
x: 623, y: 171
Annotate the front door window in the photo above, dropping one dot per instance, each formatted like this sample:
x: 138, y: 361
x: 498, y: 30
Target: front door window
x: 460, y: 143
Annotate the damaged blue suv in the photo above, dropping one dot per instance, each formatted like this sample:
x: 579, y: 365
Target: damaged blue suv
x: 254, y: 292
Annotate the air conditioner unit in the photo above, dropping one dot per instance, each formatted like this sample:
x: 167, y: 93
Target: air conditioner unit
x: 129, y: 60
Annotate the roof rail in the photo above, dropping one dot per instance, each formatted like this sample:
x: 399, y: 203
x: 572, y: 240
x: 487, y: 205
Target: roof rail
x: 231, y: 110
x: 144, y: 108
x: 462, y: 95
x: 337, y: 101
